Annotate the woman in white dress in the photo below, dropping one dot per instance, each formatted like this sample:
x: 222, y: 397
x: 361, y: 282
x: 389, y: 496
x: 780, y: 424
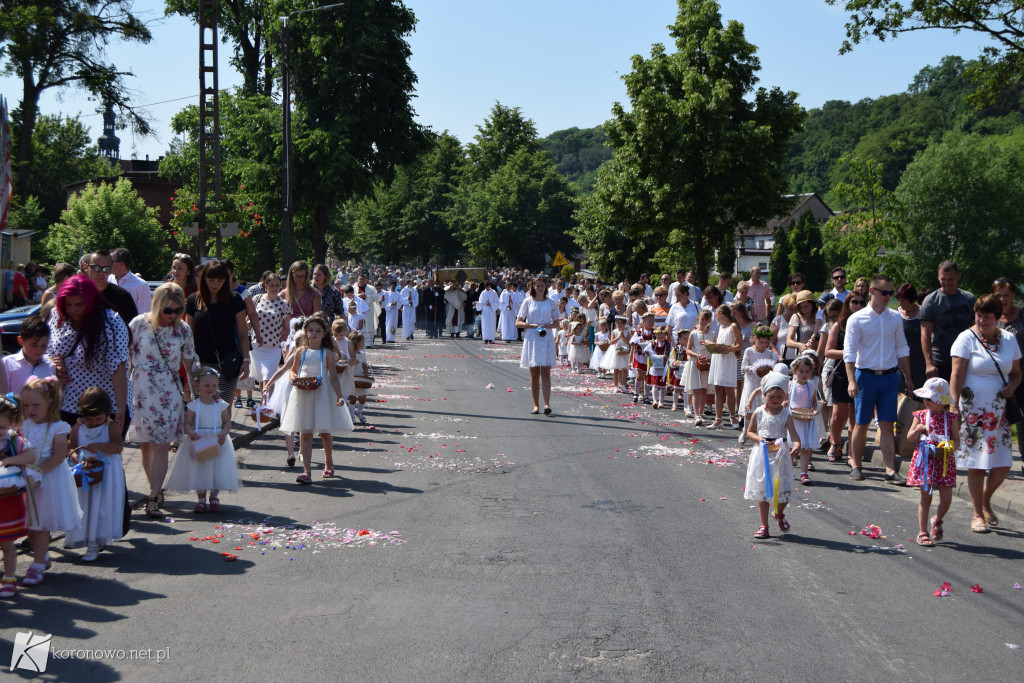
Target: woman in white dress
x: 488, y: 304
x: 722, y: 375
x: 986, y: 371
x: 539, y: 317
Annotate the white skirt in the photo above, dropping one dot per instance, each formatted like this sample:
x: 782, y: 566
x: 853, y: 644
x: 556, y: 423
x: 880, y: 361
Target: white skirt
x: 315, y: 412
x: 780, y: 469
x: 723, y: 370
x: 579, y: 354
x: 695, y: 379
x: 103, y: 508
x: 56, y: 501
x: 265, y: 360
x: 219, y: 473
x: 538, y: 351
x: 611, y: 360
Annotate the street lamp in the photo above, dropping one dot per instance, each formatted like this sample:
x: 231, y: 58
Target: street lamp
x: 287, y: 210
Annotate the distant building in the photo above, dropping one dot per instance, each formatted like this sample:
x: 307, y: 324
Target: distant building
x: 754, y: 245
x: 144, y: 176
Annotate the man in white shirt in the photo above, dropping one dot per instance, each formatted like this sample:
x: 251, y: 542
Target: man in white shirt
x: 874, y: 346
x: 122, y: 276
x: 838, y: 291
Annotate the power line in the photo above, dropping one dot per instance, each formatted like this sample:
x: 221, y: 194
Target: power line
x: 153, y: 104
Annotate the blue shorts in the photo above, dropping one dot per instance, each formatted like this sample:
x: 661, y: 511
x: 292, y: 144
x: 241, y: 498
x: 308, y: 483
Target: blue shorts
x: 877, y: 392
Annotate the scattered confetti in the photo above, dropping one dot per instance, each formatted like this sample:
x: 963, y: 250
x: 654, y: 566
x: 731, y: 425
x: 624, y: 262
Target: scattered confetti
x: 976, y: 588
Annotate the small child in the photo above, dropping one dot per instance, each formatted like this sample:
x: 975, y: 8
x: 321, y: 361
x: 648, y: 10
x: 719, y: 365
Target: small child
x: 562, y: 342
x: 357, y: 400
x: 677, y: 371
x: 638, y: 346
x: 657, y: 353
x: 602, y: 344
x: 97, y: 438
x: 14, y: 451
x: 207, y: 415
x: 579, y: 348
x: 616, y: 358
x: 698, y: 364
x: 760, y: 355
x: 31, y: 361
x: 934, y: 464
x: 318, y: 410
x: 279, y: 390
x: 56, y: 502
x: 340, y: 331
x: 356, y: 320
x: 803, y: 393
x: 770, y: 470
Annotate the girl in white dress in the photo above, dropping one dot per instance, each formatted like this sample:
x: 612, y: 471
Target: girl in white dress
x: 761, y: 354
x: 697, y: 364
x: 616, y: 358
x: 340, y: 331
x: 601, y: 339
x: 579, y: 347
x: 722, y: 375
x: 320, y: 410
x: 206, y: 416
x: 803, y: 393
x: 56, y: 503
x: 97, y: 437
x: 770, y: 470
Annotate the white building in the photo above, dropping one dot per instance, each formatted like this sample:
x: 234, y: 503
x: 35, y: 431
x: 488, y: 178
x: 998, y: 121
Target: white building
x: 754, y: 245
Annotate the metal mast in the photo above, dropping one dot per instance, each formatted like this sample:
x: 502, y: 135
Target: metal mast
x: 209, y: 122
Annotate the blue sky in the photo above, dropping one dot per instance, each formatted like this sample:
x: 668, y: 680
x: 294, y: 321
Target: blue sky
x: 560, y: 61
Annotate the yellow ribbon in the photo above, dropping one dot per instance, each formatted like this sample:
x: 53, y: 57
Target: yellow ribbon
x: 947, y: 448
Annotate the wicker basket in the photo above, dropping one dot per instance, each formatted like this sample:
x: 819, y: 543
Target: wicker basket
x: 262, y: 414
x: 92, y: 468
x: 762, y: 370
x: 714, y: 347
x: 803, y: 414
x: 603, y: 346
x: 306, y: 383
x: 362, y: 381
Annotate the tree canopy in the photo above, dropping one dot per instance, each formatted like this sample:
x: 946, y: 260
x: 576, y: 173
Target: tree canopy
x: 700, y: 150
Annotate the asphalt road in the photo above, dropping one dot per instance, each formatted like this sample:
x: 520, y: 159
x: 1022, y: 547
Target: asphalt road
x: 604, y: 542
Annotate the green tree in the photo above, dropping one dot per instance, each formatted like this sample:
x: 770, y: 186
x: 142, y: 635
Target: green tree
x: 862, y: 237
x: 1000, y: 65
x: 353, y: 119
x: 778, y: 264
x: 511, y: 204
x: 247, y: 25
x: 605, y: 236
x: 104, y: 216
x: 62, y: 44
x: 578, y: 154
x: 61, y: 154
x: 406, y: 220
x: 960, y: 199
x: 250, y: 164
x: 805, y: 257
x: 699, y: 150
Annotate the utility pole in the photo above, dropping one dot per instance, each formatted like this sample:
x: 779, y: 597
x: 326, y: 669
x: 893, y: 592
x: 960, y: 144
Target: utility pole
x: 209, y: 123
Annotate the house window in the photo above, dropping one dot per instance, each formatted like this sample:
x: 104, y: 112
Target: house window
x: 763, y: 266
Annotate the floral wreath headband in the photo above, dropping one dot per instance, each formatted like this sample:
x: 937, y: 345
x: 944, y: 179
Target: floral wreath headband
x: 762, y: 331
x: 10, y: 400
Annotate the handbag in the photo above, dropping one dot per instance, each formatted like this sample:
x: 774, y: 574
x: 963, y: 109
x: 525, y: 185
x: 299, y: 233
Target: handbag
x: 309, y: 383
x: 205, y: 447
x: 1014, y: 414
x: 230, y: 363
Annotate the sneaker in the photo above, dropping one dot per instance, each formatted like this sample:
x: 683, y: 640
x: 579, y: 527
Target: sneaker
x: 91, y: 555
x: 688, y: 413
x: 742, y: 438
x: 636, y: 399
x: 8, y: 588
x: 250, y: 403
x: 34, y: 575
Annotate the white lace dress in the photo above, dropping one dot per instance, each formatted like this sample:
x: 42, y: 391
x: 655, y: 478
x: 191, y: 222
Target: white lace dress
x: 56, y: 499
x: 780, y: 465
x: 103, y: 503
x: 219, y: 473
x: 723, y: 365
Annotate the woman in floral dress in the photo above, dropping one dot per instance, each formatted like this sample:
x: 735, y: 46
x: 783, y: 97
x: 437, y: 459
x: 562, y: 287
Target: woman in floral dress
x: 160, y: 342
x: 986, y: 371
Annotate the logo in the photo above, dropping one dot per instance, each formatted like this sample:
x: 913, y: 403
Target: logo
x: 31, y: 651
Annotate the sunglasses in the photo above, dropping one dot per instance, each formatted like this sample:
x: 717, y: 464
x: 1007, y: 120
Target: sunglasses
x: 838, y: 277
x: 885, y: 292
x: 99, y: 269
x: 167, y: 310
x: 858, y: 302
x: 797, y: 282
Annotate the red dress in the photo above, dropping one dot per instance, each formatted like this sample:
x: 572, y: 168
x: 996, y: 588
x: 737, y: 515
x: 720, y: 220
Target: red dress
x: 12, y: 517
x: 639, y: 338
x: 941, y: 472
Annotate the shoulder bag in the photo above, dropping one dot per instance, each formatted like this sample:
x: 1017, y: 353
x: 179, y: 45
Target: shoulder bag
x: 1013, y: 413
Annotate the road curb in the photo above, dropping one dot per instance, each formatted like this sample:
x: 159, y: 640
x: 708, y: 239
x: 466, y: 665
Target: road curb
x: 1003, y: 505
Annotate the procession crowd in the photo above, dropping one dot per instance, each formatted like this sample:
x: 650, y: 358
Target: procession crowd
x: 107, y: 360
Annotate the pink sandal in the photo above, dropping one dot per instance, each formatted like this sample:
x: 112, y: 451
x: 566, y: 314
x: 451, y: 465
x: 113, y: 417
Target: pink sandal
x: 328, y: 473
x: 762, y: 532
x: 214, y: 504
x: 783, y: 524
x: 200, y: 507
x: 8, y: 588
